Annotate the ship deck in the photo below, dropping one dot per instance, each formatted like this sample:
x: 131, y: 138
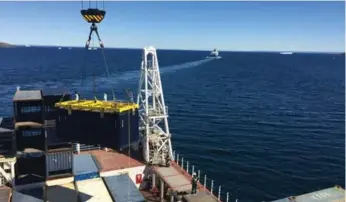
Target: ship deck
x: 179, y: 180
x: 175, y: 177
x: 112, y: 161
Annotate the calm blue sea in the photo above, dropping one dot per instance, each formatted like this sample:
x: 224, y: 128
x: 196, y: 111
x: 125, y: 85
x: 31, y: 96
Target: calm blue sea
x: 263, y: 125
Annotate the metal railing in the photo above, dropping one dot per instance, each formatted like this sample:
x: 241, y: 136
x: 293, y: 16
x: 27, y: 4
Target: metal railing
x: 77, y: 147
x: 207, y: 183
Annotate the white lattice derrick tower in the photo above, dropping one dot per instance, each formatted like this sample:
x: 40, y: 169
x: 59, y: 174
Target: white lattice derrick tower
x: 153, y: 125
x: 7, y: 171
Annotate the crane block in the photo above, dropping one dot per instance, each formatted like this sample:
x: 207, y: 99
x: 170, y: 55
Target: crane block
x: 93, y: 15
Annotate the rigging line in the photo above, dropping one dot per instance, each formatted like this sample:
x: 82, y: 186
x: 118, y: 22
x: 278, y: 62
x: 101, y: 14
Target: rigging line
x: 107, y: 70
x: 84, y: 67
x: 129, y: 151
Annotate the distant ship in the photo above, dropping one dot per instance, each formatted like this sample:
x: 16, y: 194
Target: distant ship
x: 214, y: 54
x: 286, y: 53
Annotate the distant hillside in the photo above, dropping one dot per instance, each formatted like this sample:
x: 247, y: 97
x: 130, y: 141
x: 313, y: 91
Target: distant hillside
x: 5, y: 45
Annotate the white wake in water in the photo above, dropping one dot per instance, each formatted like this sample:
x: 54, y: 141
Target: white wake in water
x: 101, y: 82
x: 131, y: 76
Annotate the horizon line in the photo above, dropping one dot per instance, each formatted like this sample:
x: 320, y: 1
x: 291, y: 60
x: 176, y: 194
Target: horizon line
x: 202, y: 50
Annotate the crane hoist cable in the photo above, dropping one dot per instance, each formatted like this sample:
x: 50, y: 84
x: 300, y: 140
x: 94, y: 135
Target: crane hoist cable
x: 95, y: 16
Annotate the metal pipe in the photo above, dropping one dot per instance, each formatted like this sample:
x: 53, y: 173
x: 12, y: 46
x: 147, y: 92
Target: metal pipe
x: 154, y: 180
x: 162, y: 189
x: 227, y: 197
x: 193, y: 169
x: 205, y: 182
x: 187, y: 166
x: 199, y: 174
x: 178, y: 159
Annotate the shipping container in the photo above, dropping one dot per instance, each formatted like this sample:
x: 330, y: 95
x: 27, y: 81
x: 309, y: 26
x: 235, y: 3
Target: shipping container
x: 5, y: 194
x: 52, y: 137
x: 30, y: 135
x: 60, y: 146
x: 28, y: 195
x: 84, y: 167
x: 7, y: 142
x: 93, y: 190
x: 28, y: 106
x: 59, y: 162
x: 334, y: 194
x: 7, y: 122
x: 112, y: 129
x: 52, y: 96
x: 25, y: 172
x: 122, y: 189
x: 62, y: 193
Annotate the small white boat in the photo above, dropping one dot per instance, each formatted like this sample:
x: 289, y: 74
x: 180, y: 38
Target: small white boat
x: 214, y: 54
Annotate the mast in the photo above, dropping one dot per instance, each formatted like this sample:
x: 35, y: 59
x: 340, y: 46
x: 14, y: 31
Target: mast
x: 153, y: 125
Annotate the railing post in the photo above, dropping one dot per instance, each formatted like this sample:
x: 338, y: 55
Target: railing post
x: 212, y: 186
x: 182, y: 162
x: 199, y: 174
x: 187, y: 166
x: 173, y: 155
x: 227, y: 197
x: 218, y: 196
x: 193, y: 169
x: 78, y: 148
x: 205, y: 181
x: 177, y: 159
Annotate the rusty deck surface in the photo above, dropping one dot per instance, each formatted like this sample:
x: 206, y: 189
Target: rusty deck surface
x: 110, y: 160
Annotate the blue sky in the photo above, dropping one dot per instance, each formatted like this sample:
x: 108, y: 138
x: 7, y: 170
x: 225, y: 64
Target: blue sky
x: 295, y: 26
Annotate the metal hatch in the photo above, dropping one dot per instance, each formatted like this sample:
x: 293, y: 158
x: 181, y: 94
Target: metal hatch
x: 123, y: 189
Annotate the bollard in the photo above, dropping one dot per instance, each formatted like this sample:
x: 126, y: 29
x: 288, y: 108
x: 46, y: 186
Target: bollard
x: 199, y: 174
x: 218, y: 196
x: 173, y: 155
x: 182, y: 162
x: 205, y: 181
x: 212, y: 186
x: 193, y: 169
x: 177, y: 159
x: 187, y: 166
x: 227, y: 197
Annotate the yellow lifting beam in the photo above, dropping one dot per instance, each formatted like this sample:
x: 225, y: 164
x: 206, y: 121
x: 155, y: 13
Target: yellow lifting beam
x: 96, y: 105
